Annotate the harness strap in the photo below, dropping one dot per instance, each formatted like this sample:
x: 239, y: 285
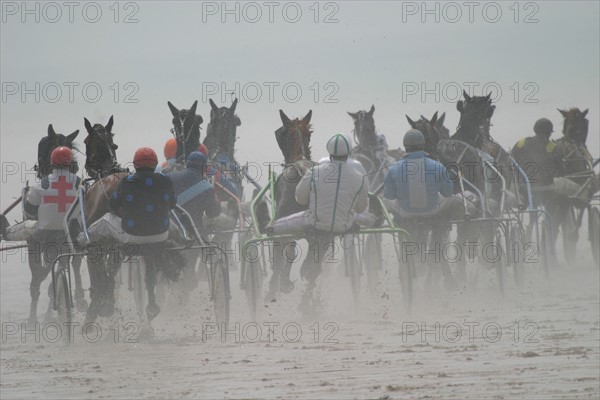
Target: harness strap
x: 193, y: 191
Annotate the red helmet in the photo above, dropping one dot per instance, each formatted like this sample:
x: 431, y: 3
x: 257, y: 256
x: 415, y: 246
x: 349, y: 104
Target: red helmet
x: 170, y: 148
x: 61, y: 156
x: 203, y: 149
x: 145, y: 157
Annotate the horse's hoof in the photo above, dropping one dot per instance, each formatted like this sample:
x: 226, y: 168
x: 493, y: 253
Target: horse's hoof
x: 152, y: 310
x: 271, y: 297
x: 286, y: 286
x: 146, y: 333
x: 49, y: 317
x: 80, y: 301
x: 82, y: 305
x: 31, y: 322
x: 107, y: 308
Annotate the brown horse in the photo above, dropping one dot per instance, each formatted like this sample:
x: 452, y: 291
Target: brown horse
x: 293, y: 139
x: 368, y: 145
x: 103, y: 265
x: 101, y: 164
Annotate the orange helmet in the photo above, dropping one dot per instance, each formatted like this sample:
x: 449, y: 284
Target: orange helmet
x: 145, y: 157
x: 170, y: 148
x: 61, y: 156
x: 203, y: 149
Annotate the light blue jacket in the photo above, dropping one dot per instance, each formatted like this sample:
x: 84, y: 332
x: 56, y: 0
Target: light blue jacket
x: 416, y: 181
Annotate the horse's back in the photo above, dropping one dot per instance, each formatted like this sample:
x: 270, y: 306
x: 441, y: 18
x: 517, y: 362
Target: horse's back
x: 285, y: 188
x: 97, y: 196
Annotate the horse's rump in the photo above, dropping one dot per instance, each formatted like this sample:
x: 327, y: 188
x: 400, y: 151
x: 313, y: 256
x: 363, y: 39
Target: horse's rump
x: 97, y: 196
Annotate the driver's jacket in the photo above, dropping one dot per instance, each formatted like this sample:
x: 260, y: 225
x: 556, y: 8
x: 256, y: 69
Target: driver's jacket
x: 539, y: 159
x: 334, y: 191
x: 416, y: 181
x: 49, y: 199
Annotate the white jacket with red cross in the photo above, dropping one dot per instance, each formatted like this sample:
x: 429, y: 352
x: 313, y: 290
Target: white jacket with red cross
x: 49, y: 199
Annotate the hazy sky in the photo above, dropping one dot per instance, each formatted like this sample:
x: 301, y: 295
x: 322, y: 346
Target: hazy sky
x: 379, y: 53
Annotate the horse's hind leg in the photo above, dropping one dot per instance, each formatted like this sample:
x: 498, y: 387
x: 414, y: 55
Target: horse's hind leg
x: 311, y: 269
x: 276, y: 270
x: 152, y: 310
x: 99, y: 286
x: 285, y: 284
x: 80, y: 301
x: 38, y: 274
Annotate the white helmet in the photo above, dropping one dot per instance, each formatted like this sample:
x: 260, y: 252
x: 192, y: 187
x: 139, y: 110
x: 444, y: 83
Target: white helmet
x: 339, y: 145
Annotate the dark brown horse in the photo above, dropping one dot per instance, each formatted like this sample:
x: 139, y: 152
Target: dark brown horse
x: 432, y: 129
x: 576, y: 166
x: 473, y: 136
x: 37, y: 250
x: 101, y: 159
x: 221, y: 135
x: 293, y: 139
x: 572, y: 148
x: 220, y: 141
x: 49, y: 143
x: 186, y: 128
x: 221, y: 131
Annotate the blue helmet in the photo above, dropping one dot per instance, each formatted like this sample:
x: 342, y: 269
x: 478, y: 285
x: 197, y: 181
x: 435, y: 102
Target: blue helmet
x: 196, y: 160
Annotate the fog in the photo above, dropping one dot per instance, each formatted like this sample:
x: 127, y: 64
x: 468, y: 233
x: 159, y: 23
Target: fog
x: 61, y: 63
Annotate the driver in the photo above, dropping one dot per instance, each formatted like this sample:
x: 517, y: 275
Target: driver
x: 47, y: 202
x: 334, y: 192
x: 139, y: 208
x: 420, y: 185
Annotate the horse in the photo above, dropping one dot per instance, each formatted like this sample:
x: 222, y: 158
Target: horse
x: 101, y: 164
x: 574, y: 153
x: 186, y: 129
x: 101, y: 159
x: 36, y: 250
x: 576, y: 166
x: 49, y: 143
x: 220, y: 142
x: 102, y: 266
x: 432, y: 129
x: 473, y: 137
x: 221, y: 130
x: 293, y: 138
x: 368, y: 144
